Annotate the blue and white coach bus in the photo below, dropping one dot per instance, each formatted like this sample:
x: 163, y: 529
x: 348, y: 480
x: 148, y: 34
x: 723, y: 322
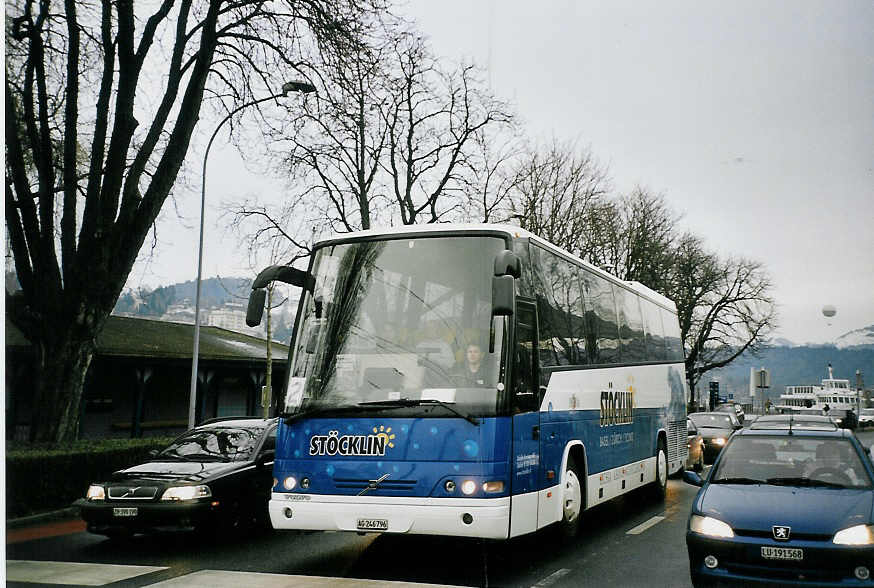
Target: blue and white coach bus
x: 469, y: 380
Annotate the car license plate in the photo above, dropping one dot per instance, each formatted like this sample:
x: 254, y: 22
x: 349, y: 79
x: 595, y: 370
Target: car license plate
x: 782, y: 553
x: 124, y: 512
x: 373, y: 524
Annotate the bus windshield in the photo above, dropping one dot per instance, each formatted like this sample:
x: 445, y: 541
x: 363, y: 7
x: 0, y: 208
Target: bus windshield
x: 393, y: 322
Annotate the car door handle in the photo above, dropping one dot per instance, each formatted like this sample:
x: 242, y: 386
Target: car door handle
x: 535, y: 432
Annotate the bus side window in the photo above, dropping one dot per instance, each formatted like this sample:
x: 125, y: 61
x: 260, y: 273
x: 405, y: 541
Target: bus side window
x: 524, y: 374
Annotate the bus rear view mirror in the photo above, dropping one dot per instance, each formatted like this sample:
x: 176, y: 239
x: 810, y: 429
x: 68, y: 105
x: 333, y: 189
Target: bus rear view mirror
x: 286, y: 274
x: 507, y: 264
x: 503, y: 295
x: 255, y: 310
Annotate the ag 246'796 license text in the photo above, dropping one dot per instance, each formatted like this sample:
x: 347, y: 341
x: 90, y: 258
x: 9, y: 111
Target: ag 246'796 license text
x: 373, y: 524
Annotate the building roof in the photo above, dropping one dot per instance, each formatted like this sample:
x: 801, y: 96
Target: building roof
x: 139, y: 337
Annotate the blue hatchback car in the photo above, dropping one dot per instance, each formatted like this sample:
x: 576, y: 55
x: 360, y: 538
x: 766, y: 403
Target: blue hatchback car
x: 789, y: 502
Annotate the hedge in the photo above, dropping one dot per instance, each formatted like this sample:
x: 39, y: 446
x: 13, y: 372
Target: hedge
x: 40, y: 479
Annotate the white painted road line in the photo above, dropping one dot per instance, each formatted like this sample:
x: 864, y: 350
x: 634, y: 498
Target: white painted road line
x: 552, y: 578
x: 226, y: 579
x: 644, y: 526
x: 67, y: 572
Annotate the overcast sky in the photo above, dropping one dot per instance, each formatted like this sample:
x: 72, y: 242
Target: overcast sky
x: 754, y: 119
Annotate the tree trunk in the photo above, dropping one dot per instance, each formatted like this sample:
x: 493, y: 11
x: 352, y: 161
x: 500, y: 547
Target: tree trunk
x: 62, y: 363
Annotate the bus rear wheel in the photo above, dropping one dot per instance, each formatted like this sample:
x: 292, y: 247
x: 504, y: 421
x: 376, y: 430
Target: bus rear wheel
x: 572, y: 500
x: 660, y: 486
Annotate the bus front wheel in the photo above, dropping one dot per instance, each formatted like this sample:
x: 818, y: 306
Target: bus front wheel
x: 572, y: 500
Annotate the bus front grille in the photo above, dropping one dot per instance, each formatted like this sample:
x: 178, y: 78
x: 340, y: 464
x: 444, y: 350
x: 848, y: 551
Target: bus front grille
x: 361, y: 484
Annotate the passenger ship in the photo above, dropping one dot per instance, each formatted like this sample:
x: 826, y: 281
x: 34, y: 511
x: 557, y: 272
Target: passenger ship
x: 833, y: 393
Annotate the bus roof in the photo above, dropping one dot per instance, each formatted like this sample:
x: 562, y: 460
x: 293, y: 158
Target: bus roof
x: 508, y: 230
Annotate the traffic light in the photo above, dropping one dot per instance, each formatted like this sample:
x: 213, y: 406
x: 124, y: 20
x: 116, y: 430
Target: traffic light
x: 714, y: 394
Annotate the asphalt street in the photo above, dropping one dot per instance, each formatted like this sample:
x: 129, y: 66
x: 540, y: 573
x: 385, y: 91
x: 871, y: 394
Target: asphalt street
x: 632, y: 541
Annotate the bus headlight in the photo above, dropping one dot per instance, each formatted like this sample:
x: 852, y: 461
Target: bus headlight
x: 858, y: 535
x: 289, y: 483
x: 468, y: 487
x: 710, y: 527
x: 95, y: 492
x: 186, y: 492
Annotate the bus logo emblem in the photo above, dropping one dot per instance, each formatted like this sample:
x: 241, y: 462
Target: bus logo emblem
x: 617, y: 407
x: 333, y: 443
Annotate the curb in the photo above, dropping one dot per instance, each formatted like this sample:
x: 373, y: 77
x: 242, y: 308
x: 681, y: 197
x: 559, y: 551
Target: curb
x: 43, y: 517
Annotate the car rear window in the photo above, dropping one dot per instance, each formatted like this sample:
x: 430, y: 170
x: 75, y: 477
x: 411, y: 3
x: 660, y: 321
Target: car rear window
x: 792, y: 461
x: 720, y: 421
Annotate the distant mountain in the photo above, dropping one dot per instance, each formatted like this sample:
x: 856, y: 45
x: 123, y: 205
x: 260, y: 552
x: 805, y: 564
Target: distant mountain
x: 214, y: 293
x: 859, y: 338
x: 794, y: 364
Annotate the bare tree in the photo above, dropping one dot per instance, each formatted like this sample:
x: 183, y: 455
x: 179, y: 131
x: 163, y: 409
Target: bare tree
x: 335, y: 144
x: 433, y: 118
x: 724, y: 306
x: 266, y: 235
x: 632, y: 237
x: 490, y: 180
x: 99, y: 118
x: 557, y: 191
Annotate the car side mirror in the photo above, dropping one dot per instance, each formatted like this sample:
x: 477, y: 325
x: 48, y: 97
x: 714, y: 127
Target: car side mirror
x: 692, y: 478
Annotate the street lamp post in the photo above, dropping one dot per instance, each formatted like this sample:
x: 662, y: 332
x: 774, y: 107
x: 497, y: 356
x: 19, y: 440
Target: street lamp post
x: 293, y: 86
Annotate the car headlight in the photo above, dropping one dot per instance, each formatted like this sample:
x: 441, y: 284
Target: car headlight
x: 858, y: 535
x: 719, y: 441
x: 95, y: 492
x: 186, y: 492
x: 710, y: 527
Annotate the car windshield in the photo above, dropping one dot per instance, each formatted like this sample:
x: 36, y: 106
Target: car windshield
x: 217, y: 444
x: 792, y: 461
x: 712, y: 421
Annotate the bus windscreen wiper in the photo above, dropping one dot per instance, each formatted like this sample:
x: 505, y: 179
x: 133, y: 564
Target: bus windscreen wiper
x: 403, y: 402
x: 318, y: 411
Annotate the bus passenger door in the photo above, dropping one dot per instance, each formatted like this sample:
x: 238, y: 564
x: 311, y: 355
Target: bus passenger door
x: 526, y: 422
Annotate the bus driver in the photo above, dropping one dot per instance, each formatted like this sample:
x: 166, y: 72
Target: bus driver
x: 472, y: 372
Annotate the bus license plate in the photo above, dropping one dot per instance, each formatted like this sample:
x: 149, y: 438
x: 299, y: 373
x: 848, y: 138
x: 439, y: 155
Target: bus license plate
x: 124, y: 512
x: 782, y: 553
x: 373, y: 524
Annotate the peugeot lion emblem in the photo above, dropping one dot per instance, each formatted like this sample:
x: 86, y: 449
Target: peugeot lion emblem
x: 781, y: 533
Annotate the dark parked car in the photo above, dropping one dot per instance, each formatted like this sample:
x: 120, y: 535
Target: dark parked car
x: 214, y: 477
x: 715, y: 428
x: 789, y: 502
x: 695, y: 445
